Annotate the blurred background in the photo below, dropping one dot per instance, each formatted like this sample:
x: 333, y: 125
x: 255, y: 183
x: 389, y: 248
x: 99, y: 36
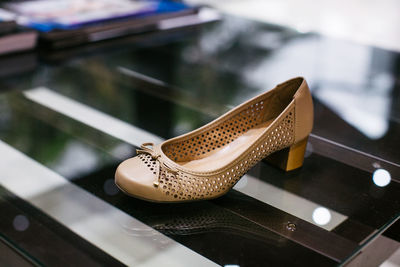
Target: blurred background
x: 367, y: 22
x: 83, y: 83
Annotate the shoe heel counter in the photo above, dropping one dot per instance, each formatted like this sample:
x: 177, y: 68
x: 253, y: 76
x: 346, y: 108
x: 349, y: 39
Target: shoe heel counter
x: 304, y: 112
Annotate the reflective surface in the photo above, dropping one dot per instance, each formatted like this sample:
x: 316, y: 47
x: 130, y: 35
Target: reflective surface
x: 69, y: 117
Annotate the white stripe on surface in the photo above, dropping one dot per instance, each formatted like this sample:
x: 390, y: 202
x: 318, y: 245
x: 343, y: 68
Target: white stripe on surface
x: 289, y: 202
x: 267, y: 193
x: 89, y: 116
x: 93, y: 219
x: 141, y: 76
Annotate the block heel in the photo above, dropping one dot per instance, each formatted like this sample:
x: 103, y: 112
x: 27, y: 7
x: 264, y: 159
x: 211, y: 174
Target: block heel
x: 290, y: 158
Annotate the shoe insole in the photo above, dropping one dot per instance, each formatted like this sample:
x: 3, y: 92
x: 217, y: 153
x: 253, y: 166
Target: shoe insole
x: 227, y: 153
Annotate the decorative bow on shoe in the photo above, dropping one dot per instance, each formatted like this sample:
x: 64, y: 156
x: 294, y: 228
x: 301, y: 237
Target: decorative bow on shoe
x: 145, y: 149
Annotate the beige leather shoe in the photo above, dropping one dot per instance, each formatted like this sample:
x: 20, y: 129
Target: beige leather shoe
x: 207, y: 162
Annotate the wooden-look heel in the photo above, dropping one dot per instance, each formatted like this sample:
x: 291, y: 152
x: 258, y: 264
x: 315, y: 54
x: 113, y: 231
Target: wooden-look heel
x: 290, y: 158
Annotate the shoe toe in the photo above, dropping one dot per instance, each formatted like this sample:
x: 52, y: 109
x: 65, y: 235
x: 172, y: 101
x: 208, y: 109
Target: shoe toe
x: 136, y: 179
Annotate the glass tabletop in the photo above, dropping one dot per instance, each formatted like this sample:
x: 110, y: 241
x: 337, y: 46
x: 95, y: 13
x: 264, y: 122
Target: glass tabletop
x: 68, y: 118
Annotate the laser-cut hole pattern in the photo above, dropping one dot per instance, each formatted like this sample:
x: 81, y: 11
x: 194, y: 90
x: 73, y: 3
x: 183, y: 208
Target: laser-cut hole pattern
x: 200, y: 146
x: 185, y: 186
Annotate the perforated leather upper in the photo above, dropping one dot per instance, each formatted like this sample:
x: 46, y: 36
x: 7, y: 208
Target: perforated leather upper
x: 272, y: 113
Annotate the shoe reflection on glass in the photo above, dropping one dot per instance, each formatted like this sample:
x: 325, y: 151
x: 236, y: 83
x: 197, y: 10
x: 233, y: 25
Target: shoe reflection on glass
x: 213, y: 222
x: 207, y: 162
x: 210, y: 219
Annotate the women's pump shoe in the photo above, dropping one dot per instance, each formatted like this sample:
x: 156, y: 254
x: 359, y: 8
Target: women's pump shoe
x: 207, y: 162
